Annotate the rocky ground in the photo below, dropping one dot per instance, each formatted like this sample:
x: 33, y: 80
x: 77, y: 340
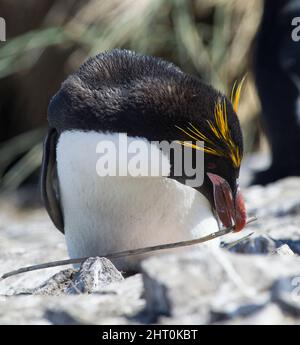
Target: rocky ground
x: 255, y: 281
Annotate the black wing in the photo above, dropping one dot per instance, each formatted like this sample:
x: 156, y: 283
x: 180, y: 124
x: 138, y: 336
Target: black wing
x: 49, y: 180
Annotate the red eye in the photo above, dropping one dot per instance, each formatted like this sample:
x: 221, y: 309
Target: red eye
x: 211, y: 166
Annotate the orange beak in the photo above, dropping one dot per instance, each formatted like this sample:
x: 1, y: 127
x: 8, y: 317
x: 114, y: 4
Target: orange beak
x: 231, y: 211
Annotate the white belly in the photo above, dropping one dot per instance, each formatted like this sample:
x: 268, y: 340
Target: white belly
x: 111, y: 214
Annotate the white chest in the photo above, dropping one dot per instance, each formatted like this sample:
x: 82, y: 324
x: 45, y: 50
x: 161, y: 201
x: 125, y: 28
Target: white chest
x: 109, y: 214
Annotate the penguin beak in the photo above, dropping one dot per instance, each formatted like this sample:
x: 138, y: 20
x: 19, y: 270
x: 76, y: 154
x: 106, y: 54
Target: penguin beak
x: 231, y: 211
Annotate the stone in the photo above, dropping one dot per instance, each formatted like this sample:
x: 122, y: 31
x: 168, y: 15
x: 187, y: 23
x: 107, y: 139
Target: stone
x: 56, y: 285
x: 268, y: 201
x: 93, y: 275
x: 256, y: 244
x: 284, y: 250
x: 286, y: 293
x: 213, y: 285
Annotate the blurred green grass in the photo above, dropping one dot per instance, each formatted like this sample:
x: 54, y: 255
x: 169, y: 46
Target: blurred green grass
x: 212, y: 39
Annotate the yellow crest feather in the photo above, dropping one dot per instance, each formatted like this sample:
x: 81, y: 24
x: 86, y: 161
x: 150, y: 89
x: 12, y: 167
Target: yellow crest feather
x: 219, y: 129
x: 236, y: 94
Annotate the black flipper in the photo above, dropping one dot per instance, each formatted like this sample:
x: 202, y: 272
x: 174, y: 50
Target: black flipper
x: 49, y: 188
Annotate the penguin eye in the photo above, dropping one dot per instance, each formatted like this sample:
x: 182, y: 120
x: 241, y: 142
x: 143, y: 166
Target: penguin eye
x: 211, y: 165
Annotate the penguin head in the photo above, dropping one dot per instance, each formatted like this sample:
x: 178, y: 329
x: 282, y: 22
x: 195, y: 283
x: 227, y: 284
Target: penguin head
x: 223, y: 150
